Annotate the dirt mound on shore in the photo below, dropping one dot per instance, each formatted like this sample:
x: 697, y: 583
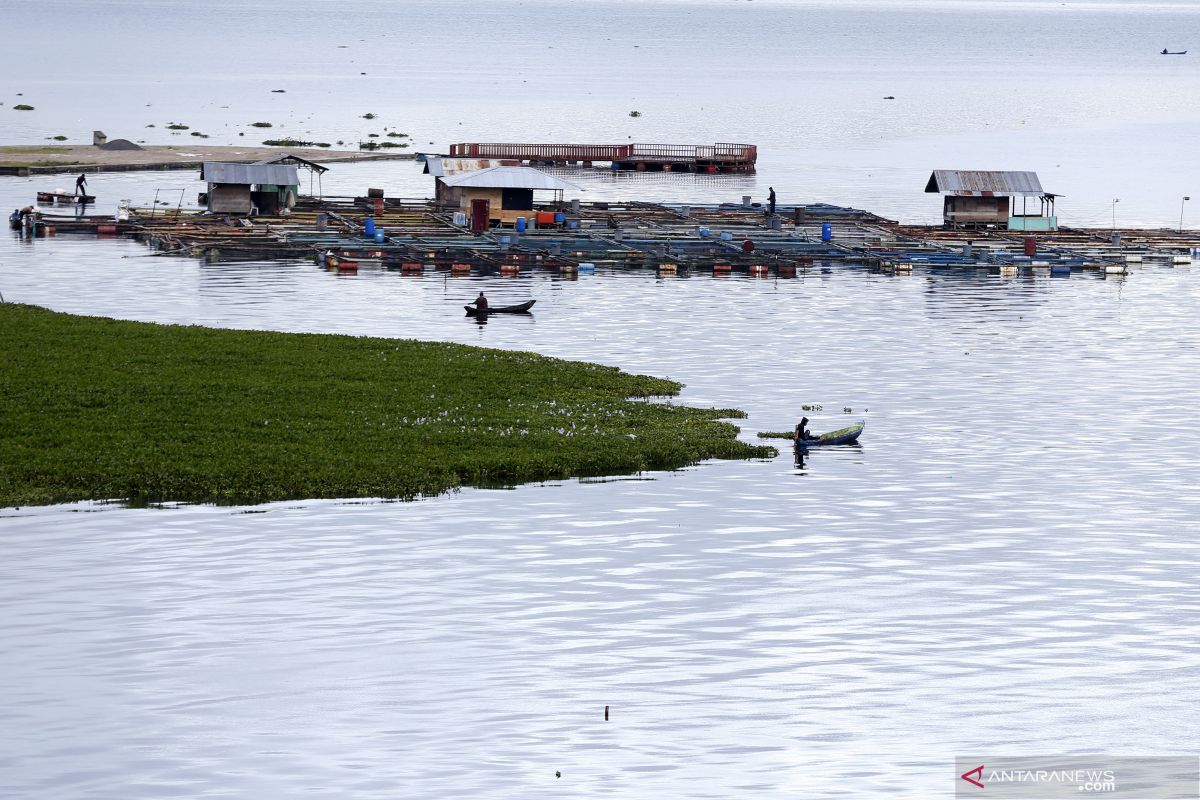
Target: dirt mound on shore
x: 119, y: 144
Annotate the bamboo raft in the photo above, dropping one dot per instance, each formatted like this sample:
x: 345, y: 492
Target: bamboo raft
x: 415, y: 236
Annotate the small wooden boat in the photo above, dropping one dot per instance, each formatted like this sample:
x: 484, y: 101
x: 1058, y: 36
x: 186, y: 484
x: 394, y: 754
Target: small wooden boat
x: 522, y: 308
x: 62, y: 198
x: 1166, y: 52
x: 842, y: 436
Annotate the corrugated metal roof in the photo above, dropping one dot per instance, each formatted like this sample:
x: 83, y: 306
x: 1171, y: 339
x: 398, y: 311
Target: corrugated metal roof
x: 984, y: 183
x: 509, y: 178
x: 224, y: 172
x: 288, y: 158
x: 441, y: 166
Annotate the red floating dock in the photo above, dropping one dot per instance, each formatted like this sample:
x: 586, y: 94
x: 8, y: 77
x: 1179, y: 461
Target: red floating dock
x: 712, y: 158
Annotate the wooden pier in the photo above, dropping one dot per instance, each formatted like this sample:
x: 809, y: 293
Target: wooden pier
x: 710, y: 158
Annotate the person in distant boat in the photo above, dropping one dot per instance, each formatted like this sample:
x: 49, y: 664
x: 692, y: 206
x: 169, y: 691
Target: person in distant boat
x: 481, y: 302
x: 24, y: 212
x: 1164, y: 52
x: 81, y: 184
x: 771, y: 201
x: 803, y: 434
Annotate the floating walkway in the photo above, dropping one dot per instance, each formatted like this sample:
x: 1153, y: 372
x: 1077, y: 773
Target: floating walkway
x: 710, y: 158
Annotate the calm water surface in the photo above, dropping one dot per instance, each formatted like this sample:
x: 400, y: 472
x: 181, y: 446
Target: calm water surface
x: 1006, y: 564
x: 1076, y: 91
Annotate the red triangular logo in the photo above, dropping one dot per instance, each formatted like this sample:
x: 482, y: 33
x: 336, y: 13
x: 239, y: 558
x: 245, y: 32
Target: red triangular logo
x: 978, y: 773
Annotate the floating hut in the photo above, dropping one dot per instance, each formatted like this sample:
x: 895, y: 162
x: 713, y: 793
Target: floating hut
x: 499, y: 195
x: 314, y: 169
x: 249, y: 188
x: 445, y: 167
x: 981, y: 198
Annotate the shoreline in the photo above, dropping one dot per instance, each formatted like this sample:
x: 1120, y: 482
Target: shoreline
x: 26, y: 160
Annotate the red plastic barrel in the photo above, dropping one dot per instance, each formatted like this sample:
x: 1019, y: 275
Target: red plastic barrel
x: 1030, y: 246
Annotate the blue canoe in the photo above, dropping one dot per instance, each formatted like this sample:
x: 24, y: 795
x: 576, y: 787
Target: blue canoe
x: 842, y: 436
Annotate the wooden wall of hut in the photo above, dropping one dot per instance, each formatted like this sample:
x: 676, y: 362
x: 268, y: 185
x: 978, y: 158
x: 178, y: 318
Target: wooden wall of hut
x: 976, y: 210
x: 495, y: 198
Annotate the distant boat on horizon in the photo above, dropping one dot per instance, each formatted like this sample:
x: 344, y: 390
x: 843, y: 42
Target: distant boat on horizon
x: 1166, y: 52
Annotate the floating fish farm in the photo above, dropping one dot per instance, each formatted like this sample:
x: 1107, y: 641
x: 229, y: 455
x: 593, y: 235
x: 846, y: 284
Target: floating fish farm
x: 416, y: 236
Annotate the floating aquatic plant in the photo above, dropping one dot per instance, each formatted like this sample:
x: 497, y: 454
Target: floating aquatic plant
x: 260, y: 125
x: 209, y: 415
x: 177, y: 126
x: 287, y: 143
x: 22, y: 107
x: 368, y: 115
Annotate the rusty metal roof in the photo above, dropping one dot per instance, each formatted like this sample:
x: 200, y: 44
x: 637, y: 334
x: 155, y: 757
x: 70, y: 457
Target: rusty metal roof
x: 441, y: 166
x: 984, y: 183
x: 226, y: 172
x: 288, y: 158
x: 509, y: 178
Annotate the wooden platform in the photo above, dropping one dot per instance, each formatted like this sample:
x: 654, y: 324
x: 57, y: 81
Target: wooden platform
x: 65, y: 198
x: 711, y: 158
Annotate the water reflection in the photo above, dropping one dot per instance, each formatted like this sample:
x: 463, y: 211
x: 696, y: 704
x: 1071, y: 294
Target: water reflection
x: 752, y: 633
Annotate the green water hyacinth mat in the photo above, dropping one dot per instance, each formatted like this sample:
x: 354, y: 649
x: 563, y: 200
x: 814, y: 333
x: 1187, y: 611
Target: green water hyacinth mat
x: 100, y: 409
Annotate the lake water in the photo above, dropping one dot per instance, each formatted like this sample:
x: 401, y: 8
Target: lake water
x: 1005, y: 564
x: 1076, y: 91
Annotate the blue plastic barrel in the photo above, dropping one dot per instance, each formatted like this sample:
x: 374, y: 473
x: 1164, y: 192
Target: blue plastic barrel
x: 726, y: 236
x: 380, y: 236
x: 369, y: 226
x: 703, y: 232
x: 559, y: 218
x: 573, y: 224
x: 520, y: 224
x: 826, y: 232
x: 587, y: 266
x: 505, y: 240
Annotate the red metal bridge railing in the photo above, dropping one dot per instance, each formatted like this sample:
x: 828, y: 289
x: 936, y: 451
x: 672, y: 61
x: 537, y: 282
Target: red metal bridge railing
x: 655, y: 153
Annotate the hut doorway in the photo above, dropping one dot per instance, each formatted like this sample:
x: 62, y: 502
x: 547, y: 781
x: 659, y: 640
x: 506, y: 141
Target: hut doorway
x: 480, y: 212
